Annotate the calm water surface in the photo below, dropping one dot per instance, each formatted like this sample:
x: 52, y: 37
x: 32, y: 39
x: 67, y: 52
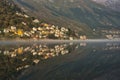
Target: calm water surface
x: 60, y: 61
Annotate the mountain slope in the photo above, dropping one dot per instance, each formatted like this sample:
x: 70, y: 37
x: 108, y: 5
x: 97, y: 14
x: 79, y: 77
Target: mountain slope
x: 50, y: 13
x: 85, y: 17
x: 16, y: 24
x: 112, y: 4
x: 79, y: 11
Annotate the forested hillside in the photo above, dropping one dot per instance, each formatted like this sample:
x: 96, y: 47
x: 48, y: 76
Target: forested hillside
x: 14, y: 23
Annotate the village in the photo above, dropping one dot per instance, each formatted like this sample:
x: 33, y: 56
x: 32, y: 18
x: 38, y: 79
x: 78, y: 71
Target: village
x: 43, y: 31
x: 111, y: 34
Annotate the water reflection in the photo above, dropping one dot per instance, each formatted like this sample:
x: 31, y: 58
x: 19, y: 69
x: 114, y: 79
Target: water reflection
x: 22, y: 60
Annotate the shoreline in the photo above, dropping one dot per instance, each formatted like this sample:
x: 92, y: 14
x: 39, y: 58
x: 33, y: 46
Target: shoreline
x: 55, y: 40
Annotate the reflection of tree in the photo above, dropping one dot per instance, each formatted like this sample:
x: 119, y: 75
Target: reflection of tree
x: 14, y: 60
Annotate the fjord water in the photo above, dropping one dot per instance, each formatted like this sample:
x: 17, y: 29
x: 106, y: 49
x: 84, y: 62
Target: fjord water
x: 60, y: 61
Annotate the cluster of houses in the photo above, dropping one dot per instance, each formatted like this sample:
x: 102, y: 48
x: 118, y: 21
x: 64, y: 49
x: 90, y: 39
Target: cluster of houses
x: 49, y: 31
x: 111, y: 34
x: 38, y: 53
x: 22, y: 15
x: 41, y: 31
x: 45, y: 31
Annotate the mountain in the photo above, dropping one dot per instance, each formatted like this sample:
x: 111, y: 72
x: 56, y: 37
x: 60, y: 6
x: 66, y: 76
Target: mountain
x: 111, y: 4
x: 48, y: 12
x: 83, y: 16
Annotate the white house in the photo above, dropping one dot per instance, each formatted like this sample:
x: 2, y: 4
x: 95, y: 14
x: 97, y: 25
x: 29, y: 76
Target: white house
x: 36, y: 21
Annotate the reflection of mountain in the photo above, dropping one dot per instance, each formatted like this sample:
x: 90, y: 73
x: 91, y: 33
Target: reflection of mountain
x: 89, y: 63
x: 77, y: 14
x: 22, y: 56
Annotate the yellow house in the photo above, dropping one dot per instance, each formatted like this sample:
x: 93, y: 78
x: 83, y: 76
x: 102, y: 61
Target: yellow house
x: 45, y: 25
x: 20, y: 32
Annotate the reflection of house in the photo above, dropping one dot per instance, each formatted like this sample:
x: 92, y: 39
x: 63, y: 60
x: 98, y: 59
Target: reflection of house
x: 116, y: 36
x: 36, y: 61
x: 35, y: 54
x: 83, y: 44
x: 20, y: 50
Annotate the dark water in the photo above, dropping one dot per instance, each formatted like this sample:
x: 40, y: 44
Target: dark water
x: 60, y: 61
